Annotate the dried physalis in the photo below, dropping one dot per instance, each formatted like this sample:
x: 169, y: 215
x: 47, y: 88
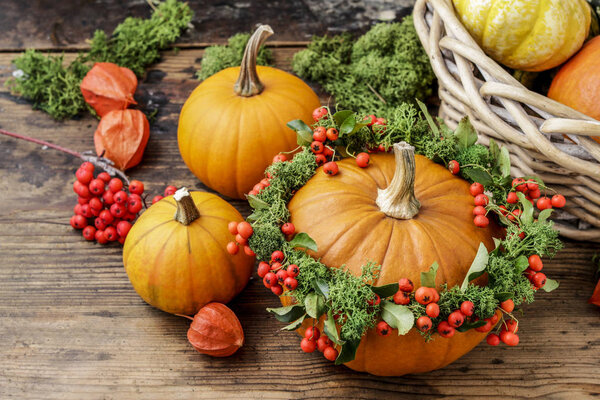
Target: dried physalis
x: 108, y: 87
x: 216, y: 331
x: 122, y: 136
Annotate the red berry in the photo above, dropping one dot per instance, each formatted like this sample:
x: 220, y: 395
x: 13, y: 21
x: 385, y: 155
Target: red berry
x: 370, y: 119
x: 424, y: 323
x: 539, y: 280
x: 519, y: 184
x: 277, y: 256
x: 263, y: 269
x: 484, y: 328
x: 232, y: 226
x: 245, y: 229
x: 232, y: 248
x: 512, y: 198
x: 106, y: 216
x: 87, y: 165
x: 319, y: 134
x: 532, y: 185
x: 308, y: 346
x: 96, y: 204
x: 319, y: 113
x: 331, y: 168
x: 100, y: 224
x: 265, y: 182
x: 476, y: 188
x: 544, y: 203
x: 104, y: 176
x: 248, y: 251
x: 100, y: 237
x: 380, y: 121
x: 493, y: 339
x: 467, y: 308
x: 157, y: 198
x: 534, y: 194
x: 320, y: 159
x: 120, y: 197
x: 312, y: 333
x: 115, y: 184
x: 511, y: 326
x: 316, y: 147
x: 108, y: 197
x: 479, y: 210
x: 83, y: 200
x: 281, y: 275
x: 508, y: 305
x: 293, y: 270
x: 279, y: 158
x: 424, y: 295
x: 481, y: 200
x: 277, y: 289
x: 288, y: 228
x: 481, y: 221
x: 509, y: 338
x: 374, y: 301
x: 118, y: 210
x: 77, y: 209
x: 276, y: 266
x: 86, y: 211
x: 383, y: 329
x: 454, y: 167
x: 405, y: 285
x: 382, y: 148
x: 84, y: 176
x: 89, y: 233
x: 401, y: 297
x: 323, y: 342
x: 456, y: 319
x: 362, y: 160
x: 270, y: 279
x: 136, y: 187
x: 290, y: 283
x: 123, y: 228
x: 78, y: 221
x: 111, y: 233
x: 170, y: 190
x: 134, y: 204
x: 81, y: 189
x: 330, y: 353
x: 503, y: 210
x: 327, y: 152
x: 558, y: 201
x: 433, y: 310
x: 258, y: 187
x: 535, y: 263
x: 445, y: 330
x: 332, y: 134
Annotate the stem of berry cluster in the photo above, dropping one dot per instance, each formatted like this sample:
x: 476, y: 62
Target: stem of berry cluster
x: 98, y: 161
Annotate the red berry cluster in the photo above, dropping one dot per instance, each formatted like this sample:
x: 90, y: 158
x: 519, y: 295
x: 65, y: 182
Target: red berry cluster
x: 507, y: 333
x: 104, y: 210
x: 313, y: 340
x: 277, y: 277
x: 242, y: 231
x: 266, y: 181
x: 537, y: 278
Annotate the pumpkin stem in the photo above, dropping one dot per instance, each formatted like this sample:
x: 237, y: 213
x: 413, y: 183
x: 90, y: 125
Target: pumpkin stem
x: 187, y: 212
x: 248, y: 83
x: 398, y: 199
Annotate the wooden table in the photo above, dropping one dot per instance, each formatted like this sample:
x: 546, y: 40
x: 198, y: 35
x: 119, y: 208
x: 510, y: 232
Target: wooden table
x: 71, y: 326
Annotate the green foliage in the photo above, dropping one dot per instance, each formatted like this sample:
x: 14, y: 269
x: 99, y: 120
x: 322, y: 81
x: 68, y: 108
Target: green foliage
x: 53, y: 86
x: 217, y: 58
x: 376, y: 73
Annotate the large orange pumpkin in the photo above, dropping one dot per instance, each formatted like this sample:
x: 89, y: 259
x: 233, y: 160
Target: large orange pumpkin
x: 374, y: 214
x: 175, y: 253
x: 233, y: 124
x: 577, y: 83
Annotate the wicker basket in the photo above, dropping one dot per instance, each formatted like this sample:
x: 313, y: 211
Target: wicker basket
x: 544, y: 138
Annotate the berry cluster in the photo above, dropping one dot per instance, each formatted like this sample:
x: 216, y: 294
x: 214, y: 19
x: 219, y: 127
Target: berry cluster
x: 275, y: 276
x: 242, y: 231
x: 313, y: 340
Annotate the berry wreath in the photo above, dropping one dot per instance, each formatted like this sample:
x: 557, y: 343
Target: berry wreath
x: 346, y: 305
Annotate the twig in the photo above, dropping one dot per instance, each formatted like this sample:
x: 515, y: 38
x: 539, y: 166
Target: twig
x: 376, y: 94
x: 100, y: 162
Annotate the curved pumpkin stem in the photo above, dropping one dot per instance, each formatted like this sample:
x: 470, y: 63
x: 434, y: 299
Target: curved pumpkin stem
x: 398, y: 199
x: 248, y: 83
x: 187, y: 212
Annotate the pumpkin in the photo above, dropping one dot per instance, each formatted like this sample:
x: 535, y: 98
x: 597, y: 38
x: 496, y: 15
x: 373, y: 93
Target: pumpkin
x: 527, y: 35
x: 234, y: 123
x: 404, y: 212
x: 175, y: 253
x: 577, y: 83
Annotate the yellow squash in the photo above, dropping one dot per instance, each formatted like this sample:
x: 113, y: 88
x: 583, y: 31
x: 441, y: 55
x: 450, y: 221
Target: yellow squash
x: 529, y: 35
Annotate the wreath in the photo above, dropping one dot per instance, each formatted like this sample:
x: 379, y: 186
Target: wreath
x: 349, y: 305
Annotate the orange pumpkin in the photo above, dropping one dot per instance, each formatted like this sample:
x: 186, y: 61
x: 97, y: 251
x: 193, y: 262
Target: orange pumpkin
x: 577, y: 83
x: 404, y: 212
x: 175, y: 253
x: 233, y: 124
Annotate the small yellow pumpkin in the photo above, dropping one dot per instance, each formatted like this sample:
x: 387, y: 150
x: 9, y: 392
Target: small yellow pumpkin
x: 531, y: 35
x: 175, y: 253
x: 229, y: 131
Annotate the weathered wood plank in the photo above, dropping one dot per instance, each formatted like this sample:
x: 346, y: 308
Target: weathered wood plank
x: 72, y: 327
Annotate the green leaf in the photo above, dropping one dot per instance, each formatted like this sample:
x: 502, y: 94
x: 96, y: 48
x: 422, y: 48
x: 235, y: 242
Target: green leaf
x: 314, y: 305
x: 477, y: 266
x: 256, y: 203
x: 347, y: 126
x: 385, y: 290
x: 358, y: 127
x: 527, y: 215
x: 330, y: 329
x: 465, y: 134
x: 303, y: 132
x: 430, y: 122
x: 428, y: 278
x: 294, y: 325
x: 397, y: 316
x: 494, y: 150
x: 348, y: 352
x: 287, y: 314
x: 471, y: 325
x: 544, y: 215
x: 252, y: 217
x: 503, y: 296
x: 521, y: 264
x: 321, y: 287
x: 550, y: 285
x: 340, y: 116
x: 478, y: 175
x: 304, y: 241
x: 504, y: 162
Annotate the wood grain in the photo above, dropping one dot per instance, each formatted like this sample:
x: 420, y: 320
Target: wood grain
x: 71, y: 326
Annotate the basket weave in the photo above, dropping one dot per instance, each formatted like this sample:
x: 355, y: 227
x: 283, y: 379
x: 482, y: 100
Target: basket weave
x: 544, y: 138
